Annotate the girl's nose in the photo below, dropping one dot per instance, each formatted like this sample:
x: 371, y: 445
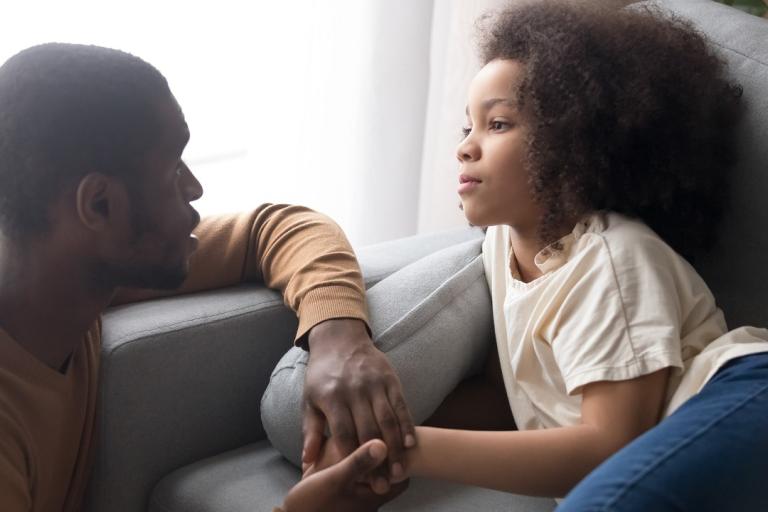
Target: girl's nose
x: 467, y: 150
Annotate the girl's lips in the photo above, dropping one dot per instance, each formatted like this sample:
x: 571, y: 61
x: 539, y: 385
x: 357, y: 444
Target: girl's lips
x: 464, y: 178
x: 467, y: 184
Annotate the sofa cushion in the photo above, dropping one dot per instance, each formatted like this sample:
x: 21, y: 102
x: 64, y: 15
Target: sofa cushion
x: 377, y: 261
x: 256, y: 477
x: 432, y: 318
x: 736, y: 269
x: 181, y: 379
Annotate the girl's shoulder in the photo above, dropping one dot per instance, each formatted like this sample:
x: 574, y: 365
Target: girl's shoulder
x: 634, y: 248
x: 627, y: 236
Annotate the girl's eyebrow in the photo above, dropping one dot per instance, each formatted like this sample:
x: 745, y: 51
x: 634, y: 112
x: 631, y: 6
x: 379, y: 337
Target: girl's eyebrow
x: 489, y: 103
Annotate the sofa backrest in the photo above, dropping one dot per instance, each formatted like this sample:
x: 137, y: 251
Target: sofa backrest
x: 737, y: 268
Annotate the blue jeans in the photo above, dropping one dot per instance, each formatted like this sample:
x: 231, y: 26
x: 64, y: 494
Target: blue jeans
x: 709, y: 455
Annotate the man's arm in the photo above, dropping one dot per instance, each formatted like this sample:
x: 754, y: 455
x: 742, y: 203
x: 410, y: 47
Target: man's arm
x: 350, y: 385
x: 302, y: 253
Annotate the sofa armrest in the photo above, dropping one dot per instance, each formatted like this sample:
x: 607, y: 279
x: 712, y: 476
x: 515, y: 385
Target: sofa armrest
x: 181, y: 379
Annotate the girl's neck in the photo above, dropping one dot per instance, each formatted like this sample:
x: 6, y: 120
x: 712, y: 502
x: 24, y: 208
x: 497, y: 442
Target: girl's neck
x: 526, y: 244
x: 525, y: 247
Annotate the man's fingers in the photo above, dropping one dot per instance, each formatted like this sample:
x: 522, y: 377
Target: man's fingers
x: 403, y: 414
x: 313, y: 427
x: 365, y: 422
x: 365, y: 493
x: 367, y: 429
x: 342, y: 428
x: 390, y: 431
x: 362, y: 461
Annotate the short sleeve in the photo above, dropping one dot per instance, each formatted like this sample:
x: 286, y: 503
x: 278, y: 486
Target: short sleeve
x: 620, y: 317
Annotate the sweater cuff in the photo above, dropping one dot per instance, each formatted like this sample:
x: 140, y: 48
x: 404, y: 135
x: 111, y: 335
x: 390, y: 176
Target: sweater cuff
x: 329, y: 302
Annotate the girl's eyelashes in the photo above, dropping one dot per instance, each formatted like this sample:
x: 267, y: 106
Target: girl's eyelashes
x: 497, y: 125
x: 494, y: 126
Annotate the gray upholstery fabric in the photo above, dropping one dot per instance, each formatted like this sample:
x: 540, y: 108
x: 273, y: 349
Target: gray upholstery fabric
x: 380, y: 260
x: 255, y: 478
x: 736, y: 270
x: 181, y: 380
x: 432, y: 319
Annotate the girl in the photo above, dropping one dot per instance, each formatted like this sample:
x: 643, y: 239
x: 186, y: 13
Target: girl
x: 596, y: 149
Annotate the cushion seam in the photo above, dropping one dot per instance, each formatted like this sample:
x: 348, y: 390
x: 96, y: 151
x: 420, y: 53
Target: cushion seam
x: 190, y: 322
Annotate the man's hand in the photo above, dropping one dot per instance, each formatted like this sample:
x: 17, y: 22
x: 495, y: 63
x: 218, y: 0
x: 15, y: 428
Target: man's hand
x: 351, y: 387
x: 343, y: 486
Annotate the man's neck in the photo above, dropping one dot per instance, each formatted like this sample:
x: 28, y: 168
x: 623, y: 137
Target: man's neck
x: 47, y: 304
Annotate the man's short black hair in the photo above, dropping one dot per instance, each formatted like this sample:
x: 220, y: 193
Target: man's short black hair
x: 67, y: 110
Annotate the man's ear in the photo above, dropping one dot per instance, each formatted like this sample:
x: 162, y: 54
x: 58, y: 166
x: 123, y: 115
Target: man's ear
x: 97, y: 197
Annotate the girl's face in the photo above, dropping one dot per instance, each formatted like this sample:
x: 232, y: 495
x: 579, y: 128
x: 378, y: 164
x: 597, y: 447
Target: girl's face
x: 493, y: 182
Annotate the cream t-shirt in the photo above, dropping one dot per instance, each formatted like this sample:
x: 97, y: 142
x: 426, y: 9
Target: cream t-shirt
x: 615, y: 302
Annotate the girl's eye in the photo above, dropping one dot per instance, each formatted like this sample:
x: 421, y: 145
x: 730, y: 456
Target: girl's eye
x: 498, y: 125
x: 465, y: 131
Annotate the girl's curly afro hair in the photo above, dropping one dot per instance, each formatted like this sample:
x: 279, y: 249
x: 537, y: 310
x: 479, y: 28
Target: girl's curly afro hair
x: 628, y: 109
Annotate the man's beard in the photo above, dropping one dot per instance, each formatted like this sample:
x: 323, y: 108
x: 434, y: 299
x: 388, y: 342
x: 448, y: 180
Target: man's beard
x: 132, y: 272
x: 136, y: 275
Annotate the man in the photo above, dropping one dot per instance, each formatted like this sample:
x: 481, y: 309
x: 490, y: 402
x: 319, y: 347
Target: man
x: 94, y: 210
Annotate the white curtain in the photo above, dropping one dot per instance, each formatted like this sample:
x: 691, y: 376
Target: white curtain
x: 454, y: 62
x: 352, y: 107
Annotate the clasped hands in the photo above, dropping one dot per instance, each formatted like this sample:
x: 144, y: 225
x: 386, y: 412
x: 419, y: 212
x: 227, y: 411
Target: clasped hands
x: 352, y: 391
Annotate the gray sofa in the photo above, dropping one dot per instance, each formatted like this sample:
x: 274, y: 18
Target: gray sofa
x: 180, y: 426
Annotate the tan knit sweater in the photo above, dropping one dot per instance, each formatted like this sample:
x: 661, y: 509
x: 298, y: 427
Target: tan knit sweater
x: 47, y: 417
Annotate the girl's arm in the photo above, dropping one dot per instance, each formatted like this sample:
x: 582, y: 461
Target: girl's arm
x: 544, y: 462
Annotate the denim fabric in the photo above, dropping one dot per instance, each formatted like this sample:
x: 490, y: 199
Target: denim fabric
x: 709, y: 455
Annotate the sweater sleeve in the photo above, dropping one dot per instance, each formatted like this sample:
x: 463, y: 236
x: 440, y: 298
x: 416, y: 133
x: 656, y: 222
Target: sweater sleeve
x: 302, y: 253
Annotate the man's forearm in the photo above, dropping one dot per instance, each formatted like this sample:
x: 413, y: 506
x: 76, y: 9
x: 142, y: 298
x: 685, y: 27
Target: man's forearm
x: 302, y: 253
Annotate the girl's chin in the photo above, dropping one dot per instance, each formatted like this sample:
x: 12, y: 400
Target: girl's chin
x: 472, y: 215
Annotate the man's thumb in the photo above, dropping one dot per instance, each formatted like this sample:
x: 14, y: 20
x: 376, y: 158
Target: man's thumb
x: 365, y: 459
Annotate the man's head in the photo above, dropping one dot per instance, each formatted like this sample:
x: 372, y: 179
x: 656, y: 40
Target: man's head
x: 90, y: 146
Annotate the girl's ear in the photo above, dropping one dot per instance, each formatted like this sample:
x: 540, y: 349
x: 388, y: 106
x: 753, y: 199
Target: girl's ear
x: 98, y: 198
